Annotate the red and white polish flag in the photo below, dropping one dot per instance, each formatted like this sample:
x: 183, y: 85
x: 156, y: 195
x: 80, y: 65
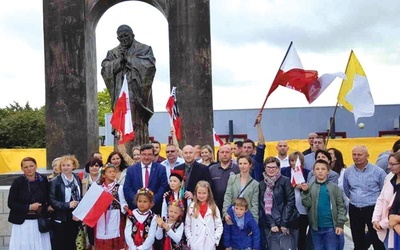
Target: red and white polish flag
x: 292, y: 75
x: 217, y: 140
x: 173, y: 111
x: 121, y: 119
x: 95, y: 202
x: 297, y: 174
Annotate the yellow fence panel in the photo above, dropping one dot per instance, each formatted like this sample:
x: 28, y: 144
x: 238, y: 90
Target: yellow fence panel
x: 10, y: 158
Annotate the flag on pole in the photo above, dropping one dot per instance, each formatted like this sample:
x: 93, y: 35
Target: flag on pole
x: 95, y: 202
x: 355, y: 94
x: 292, y: 75
x: 217, y: 140
x: 297, y: 174
x: 121, y: 119
x: 173, y: 111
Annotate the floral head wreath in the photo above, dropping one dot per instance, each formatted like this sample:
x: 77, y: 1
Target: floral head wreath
x: 177, y: 203
x: 103, y: 169
x: 147, y: 191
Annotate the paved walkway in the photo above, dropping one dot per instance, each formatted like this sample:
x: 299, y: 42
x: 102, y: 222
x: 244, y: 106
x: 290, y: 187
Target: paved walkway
x: 348, y: 241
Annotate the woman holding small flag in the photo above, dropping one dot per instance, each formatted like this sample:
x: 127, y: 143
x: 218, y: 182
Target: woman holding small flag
x: 289, y: 172
x: 93, y: 169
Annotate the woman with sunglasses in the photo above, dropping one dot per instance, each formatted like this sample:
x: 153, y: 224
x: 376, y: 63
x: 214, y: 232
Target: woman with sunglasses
x: 93, y: 169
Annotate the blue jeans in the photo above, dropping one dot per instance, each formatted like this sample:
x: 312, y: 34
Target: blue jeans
x: 325, y: 239
x: 341, y: 241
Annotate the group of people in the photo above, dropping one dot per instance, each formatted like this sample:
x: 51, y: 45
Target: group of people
x: 188, y: 200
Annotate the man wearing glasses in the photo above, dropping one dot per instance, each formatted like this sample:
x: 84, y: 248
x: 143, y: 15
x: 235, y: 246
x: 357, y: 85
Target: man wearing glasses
x: 146, y: 173
x: 172, y: 160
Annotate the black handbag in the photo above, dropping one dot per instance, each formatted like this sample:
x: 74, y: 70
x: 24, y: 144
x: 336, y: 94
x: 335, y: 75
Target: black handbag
x: 44, y: 224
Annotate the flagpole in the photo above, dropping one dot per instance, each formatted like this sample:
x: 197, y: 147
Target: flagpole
x: 337, y: 103
x: 331, y: 123
x: 265, y: 101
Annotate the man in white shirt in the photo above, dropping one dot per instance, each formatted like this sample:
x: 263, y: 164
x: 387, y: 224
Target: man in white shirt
x: 282, y: 156
x: 172, y: 160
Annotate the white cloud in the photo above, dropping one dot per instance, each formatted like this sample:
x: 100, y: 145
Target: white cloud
x: 249, y: 40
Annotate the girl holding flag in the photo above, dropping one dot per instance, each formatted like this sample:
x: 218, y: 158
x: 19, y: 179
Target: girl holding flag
x: 110, y: 227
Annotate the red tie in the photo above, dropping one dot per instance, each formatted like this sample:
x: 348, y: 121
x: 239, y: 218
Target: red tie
x: 146, y: 176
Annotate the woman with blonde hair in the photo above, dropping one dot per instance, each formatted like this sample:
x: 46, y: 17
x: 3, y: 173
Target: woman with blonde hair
x: 207, y: 155
x: 65, y: 194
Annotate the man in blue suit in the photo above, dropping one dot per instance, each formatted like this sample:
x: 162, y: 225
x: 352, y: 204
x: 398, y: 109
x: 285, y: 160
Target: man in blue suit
x: 146, y: 173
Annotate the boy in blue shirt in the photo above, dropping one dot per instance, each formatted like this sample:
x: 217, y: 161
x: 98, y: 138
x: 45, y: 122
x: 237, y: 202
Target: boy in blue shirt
x: 243, y: 233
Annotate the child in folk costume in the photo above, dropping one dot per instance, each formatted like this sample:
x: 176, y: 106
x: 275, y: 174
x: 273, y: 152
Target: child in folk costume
x: 170, y: 229
x: 109, y: 233
x: 203, y: 224
x: 176, y: 192
x: 141, y: 224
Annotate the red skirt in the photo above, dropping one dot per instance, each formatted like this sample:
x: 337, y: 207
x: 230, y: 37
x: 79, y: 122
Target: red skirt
x: 115, y: 243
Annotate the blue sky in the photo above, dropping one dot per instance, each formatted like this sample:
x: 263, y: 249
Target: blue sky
x: 249, y: 40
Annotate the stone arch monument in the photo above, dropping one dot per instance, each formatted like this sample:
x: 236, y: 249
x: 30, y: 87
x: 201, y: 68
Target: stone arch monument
x: 70, y: 71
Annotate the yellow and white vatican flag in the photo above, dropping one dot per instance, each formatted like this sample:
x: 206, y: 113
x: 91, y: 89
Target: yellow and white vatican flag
x: 355, y: 94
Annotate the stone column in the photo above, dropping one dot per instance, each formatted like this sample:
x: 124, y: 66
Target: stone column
x: 190, y: 67
x: 71, y: 90
x: 70, y: 71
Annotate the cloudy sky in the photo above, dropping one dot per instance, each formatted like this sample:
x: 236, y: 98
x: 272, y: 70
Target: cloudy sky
x: 249, y: 41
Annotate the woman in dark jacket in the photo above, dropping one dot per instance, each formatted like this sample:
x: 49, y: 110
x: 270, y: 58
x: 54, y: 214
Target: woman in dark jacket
x: 65, y: 194
x: 279, y: 216
x: 27, y: 200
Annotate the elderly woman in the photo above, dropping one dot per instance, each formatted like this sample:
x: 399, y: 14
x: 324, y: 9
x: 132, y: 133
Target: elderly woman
x: 27, y: 200
x: 242, y: 185
x: 65, y: 194
x: 279, y: 217
x: 380, y: 219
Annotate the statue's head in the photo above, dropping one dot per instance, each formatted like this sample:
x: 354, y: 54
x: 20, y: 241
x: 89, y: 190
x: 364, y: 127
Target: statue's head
x: 125, y: 35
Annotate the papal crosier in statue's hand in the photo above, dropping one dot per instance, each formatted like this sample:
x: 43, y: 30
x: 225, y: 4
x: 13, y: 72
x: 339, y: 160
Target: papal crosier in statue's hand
x: 137, y: 61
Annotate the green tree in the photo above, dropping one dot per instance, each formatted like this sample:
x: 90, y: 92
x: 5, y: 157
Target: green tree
x: 104, y: 105
x: 22, y: 127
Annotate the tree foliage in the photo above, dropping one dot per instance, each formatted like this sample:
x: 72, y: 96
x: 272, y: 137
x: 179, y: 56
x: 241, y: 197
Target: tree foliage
x: 22, y: 127
x: 25, y: 127
x: 104, y: 105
